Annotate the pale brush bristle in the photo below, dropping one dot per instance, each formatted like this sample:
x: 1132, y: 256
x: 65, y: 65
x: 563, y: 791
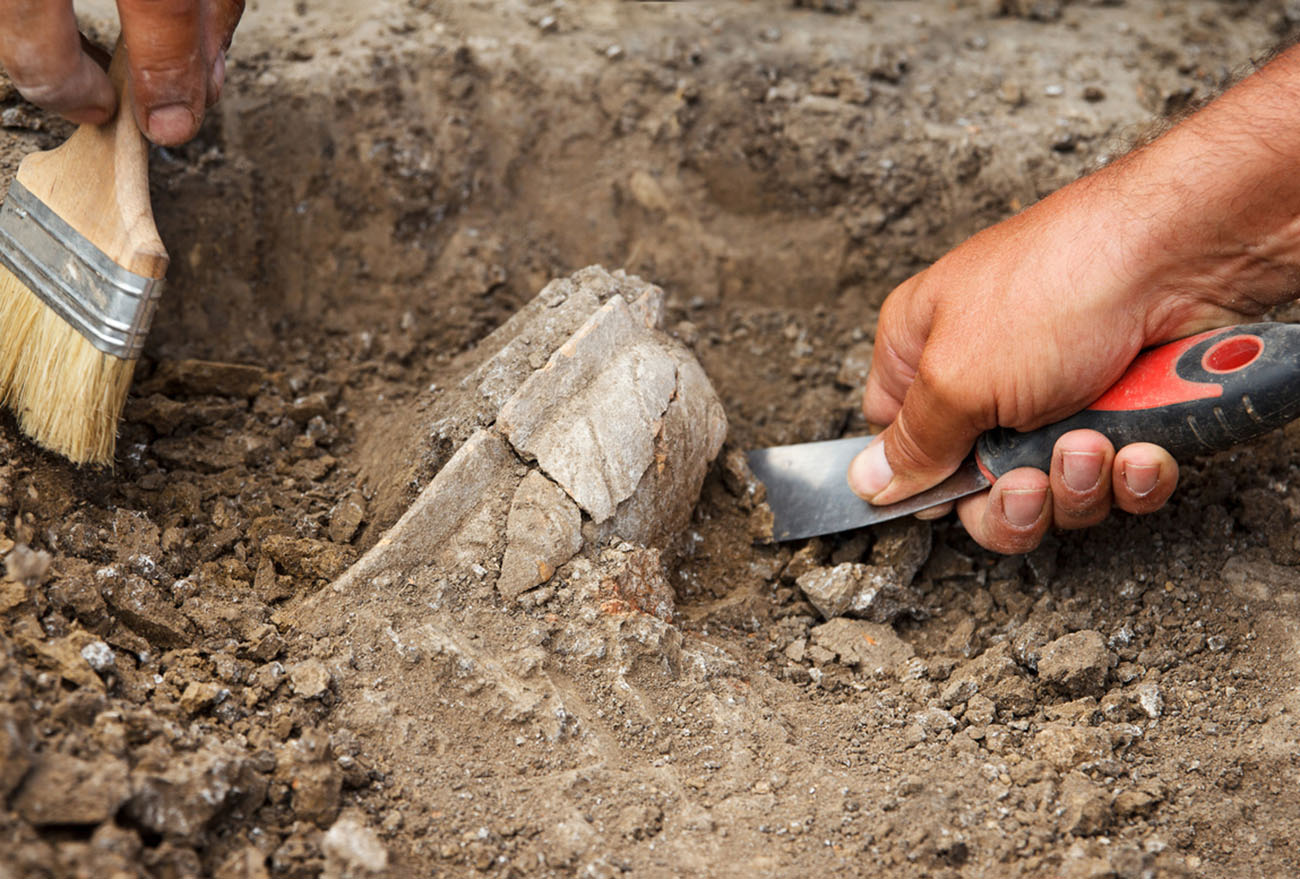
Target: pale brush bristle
x: 66, y: 393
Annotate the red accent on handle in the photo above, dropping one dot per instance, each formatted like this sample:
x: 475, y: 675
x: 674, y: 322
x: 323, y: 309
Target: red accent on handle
x: 1232, y: 354
x: 1152, y: 380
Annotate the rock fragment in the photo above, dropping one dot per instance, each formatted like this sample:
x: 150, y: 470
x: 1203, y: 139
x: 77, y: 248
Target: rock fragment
x: 867, y: 591
x: 1028, y: 640
x: 352, y: 849
x: 27, y: 566
x: 309, y: 678
x: 143, y: 609
x: 635, y: 577
x: 872, y: 647
x: 203, y: 377
x: 590, y: 416
x: 855, y: 367
x: 180, y: 798
x: 1087, y: 806
x: 903, y: 545
x: 347, y: 516
x: 66, y: 790
x: 979, y: 675
x: 1077, y: 663
x: 15, y: 757
x: 307, y: 765
x: 543, y: 531
x: 1066, y: 746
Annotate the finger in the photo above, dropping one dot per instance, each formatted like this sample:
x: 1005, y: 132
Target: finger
x: 932, y: 434
x: 221, y: 18
x: 937, y: 512
x: 168, y: 72
x: 1144, y: 478
x: 1080, y: 479
x: 901, y: 332
x: 40, y: 48
x: 1013, y: 515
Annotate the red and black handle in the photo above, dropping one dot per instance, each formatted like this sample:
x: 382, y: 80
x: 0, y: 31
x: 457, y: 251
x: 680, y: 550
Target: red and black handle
x: 1202, y: 394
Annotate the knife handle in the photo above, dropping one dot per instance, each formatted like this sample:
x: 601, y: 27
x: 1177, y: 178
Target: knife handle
x: 1201, y: 394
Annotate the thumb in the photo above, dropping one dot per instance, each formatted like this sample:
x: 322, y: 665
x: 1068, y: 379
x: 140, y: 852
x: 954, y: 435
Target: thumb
x: 167, y: 72
x: 928, y: 440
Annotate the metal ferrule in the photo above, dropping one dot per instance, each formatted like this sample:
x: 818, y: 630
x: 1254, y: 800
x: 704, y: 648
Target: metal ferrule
x: 110, y: 306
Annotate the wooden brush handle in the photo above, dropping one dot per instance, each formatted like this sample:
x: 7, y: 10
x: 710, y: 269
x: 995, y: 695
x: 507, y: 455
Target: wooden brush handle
x: 98, y: 182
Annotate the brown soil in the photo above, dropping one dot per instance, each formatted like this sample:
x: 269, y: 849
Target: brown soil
x: 382, y: 185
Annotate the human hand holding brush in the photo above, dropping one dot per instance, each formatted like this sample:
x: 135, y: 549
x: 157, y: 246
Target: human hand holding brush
x: 177, y: 61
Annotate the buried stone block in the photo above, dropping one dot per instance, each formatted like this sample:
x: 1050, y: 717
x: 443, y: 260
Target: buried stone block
x: 588, y: 423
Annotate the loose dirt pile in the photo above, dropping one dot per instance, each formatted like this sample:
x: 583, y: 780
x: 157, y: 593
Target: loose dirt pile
x: 184, y: 693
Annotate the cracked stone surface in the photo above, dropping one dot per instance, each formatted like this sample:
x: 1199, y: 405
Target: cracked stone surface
x: 590, y: 416
x: 544, y: 531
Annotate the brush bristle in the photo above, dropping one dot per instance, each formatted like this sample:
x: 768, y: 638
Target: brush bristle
x: 66, y: 393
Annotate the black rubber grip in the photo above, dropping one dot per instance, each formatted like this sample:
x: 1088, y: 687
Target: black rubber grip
x: 1202, y: 394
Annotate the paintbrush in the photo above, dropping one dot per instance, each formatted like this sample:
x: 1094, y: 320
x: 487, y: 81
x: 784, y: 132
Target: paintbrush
x: 81, y: 269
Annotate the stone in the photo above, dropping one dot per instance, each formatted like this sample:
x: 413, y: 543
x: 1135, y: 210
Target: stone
x: 199, y: 696
x: 347, y: 516
x: 1087, y: 806
x: 143, y: 609
x: 246, y: 862
x: 902, y: 545
x: 1254, y: 577
x: 63, y: 790
x: 455, y: 519
x: 543, y: 531
x: 872, y: 593
x: 1077, y: 664
x: 1029, y: 638
x: 351, y: 848
x: 1066, y: 746
x: 205, y: 377
x: 99, y: 656
x: 590, y: 416
x: 306, y: 557
x: 872, y: 647
x: 307, y: 765
x: 182, y: 797
x: 309, y: 679
x: 27, y: 566
x: 1141, y: 801
x: 634, y: 579
x: 1149, y: 699
x: 15, y: 755
x: 855, y: 366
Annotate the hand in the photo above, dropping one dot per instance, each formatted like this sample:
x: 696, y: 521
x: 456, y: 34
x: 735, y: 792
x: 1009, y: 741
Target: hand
x: 177, y: 61
x: 1030, y: 320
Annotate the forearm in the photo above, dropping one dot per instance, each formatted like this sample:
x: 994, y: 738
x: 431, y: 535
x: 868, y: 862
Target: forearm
x: 1213, y: 206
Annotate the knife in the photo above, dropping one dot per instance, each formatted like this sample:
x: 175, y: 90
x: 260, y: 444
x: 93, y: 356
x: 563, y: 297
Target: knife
x: 1197, y: 395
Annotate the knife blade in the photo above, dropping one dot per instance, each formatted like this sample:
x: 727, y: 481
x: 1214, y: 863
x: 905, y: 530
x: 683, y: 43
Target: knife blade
x: 1197, y: 395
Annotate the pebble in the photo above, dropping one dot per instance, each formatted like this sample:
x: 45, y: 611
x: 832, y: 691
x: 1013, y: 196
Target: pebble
x: 309, y: 678
x: 28, y: 566
x: 1077, y: 663
x: 350, y: 846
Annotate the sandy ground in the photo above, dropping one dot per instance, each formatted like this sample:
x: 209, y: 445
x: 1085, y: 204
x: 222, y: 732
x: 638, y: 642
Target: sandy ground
x: 383, y: 185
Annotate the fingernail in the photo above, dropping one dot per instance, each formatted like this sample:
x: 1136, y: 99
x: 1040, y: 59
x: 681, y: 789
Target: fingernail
x: 1141, y: 478
x: 171, y: 124
x: 1022, y: 507
x: 1081, y: 470
x: 870, y: 471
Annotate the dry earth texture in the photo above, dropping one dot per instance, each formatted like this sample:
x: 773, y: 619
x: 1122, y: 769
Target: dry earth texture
x: 218, y: 660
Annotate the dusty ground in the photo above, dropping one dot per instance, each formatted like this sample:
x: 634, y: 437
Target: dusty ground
x: 383, y: 184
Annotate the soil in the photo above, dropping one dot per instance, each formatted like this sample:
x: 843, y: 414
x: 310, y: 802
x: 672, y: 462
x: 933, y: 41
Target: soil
x: 385, y: 183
